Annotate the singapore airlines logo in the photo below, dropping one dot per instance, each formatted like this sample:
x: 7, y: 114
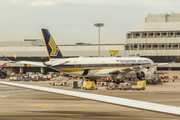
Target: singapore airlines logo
x: 54, y: 48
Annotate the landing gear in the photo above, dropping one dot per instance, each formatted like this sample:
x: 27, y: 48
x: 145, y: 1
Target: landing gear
x: 92, y: 79
x: 118, y: 81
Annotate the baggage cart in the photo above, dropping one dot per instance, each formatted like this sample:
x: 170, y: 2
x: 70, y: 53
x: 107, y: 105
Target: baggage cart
x: 76, y: 85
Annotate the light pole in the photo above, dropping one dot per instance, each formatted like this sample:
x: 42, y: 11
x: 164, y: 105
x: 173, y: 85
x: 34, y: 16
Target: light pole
x: 99, y: 25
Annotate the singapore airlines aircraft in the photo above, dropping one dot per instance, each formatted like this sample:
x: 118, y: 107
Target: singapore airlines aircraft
x: 92, y: 67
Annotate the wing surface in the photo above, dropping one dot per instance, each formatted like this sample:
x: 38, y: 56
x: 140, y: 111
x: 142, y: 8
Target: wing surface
x: 31, y: 63
x: 105, y: 99
x: 25, y: 62
x: 135, y: 68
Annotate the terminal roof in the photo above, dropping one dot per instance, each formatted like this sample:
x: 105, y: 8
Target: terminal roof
x: 156, y: 27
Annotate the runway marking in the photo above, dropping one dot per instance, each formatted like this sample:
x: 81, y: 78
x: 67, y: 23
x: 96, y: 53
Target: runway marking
x: 48, y: 107
x: 84, y: 104
x: 107, y: 99
x: 37, y: 105
x: 43, y: 105
x: 40, y: 104
x: 4, y: 95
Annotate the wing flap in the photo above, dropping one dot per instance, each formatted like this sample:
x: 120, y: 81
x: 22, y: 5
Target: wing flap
x: 123, y: 70
x: 135, y: 68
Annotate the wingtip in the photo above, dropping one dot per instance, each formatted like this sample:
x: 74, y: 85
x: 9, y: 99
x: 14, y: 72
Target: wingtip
x: 5, y: 64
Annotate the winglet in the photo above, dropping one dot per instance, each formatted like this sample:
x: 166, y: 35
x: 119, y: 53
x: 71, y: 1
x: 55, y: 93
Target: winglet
x: 7, y: 59
x: 5, y: 64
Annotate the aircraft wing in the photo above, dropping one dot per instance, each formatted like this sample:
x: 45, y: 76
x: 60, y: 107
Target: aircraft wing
x: 31, y: 63
x: 104, y: 98
x: 25, y: 62
x: 135, y: 68
x: 123, y: 70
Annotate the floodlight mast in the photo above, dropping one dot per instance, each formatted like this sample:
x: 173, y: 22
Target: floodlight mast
x: 99, y: 25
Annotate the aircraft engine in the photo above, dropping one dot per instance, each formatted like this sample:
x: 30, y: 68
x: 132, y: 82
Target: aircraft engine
x: 145, y: 73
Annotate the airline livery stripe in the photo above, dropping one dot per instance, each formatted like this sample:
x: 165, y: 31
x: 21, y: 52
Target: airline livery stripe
x: 102, y: 65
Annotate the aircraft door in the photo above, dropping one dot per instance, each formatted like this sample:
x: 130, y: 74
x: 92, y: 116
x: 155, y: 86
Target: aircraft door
x: 75, y: 64
x: 103, y: 64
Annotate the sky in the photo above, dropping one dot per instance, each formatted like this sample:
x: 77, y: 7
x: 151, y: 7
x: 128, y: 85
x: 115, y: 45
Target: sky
x: 72, y: 21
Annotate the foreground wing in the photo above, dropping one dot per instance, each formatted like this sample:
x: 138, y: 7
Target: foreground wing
x: 105, y: 99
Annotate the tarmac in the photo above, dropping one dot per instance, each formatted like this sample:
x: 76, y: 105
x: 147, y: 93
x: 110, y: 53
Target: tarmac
x: 20, y: 103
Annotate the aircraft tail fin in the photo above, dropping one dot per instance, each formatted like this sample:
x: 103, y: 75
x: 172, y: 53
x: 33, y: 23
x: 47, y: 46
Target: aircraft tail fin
x: 7, y: 59
x: 52, y: 49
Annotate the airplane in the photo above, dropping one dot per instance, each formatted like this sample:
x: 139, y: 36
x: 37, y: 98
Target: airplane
x: 92, y: 67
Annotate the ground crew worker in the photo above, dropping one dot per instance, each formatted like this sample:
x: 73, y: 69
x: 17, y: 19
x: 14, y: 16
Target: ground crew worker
x: 173, y: 79
x: 82, y: 80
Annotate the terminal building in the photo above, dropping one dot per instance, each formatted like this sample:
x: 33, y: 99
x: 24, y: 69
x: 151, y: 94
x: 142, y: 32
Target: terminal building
x: 158, y: 38
x: 35, y: 50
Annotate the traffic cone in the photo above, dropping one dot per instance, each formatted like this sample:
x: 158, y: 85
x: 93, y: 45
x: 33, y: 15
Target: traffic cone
x: 174, y: 86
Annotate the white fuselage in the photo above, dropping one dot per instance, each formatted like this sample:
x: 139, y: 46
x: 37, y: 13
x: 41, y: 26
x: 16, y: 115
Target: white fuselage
x: 96, y: 67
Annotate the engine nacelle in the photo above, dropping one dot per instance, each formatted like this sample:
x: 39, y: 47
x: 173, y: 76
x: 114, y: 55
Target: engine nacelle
x: 145, y: 73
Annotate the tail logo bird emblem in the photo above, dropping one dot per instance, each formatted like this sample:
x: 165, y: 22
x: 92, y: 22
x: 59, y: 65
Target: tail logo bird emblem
x: 54, y: 48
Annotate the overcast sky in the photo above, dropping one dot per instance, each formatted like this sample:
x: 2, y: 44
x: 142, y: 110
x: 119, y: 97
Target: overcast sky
x: 72, y: 21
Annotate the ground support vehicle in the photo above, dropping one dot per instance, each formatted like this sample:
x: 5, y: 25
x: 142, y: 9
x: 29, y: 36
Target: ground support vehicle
x: 155, y: 81
x: 89, y: 85
x: 60, y: 81
x: 77, y: 84
x: 121, y: 86
x: 36, y: 78
x: 3, y: 75
x: 91, y: 88
x: 112, y: 86
x: 26, y: 79
x: 14, y: 78
x: 124, y: 86
x: 56, y: 83
x: 103, y: 83
x: 76, y: 87
x: 138, y: 88
x: 141, y: 85
x: 164, y: 81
